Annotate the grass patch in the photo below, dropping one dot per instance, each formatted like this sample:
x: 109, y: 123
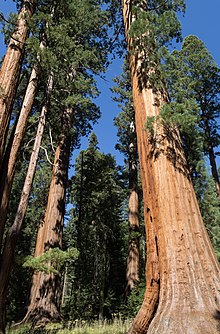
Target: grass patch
x: 77, y: 327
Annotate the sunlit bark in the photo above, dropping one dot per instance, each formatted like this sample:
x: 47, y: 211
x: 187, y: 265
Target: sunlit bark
x: 182, y: 273
x: 13, y: 149
x: 45, y: 296
x: 14, y: 231
x: 10, y: 69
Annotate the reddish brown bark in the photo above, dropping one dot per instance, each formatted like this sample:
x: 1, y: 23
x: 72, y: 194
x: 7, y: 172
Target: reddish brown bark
x: 12, y: 152
x: 45, y: 296
x: 10, y: 69
x: 10, y: 242
x: 7, y: 254
x: 182, y: 273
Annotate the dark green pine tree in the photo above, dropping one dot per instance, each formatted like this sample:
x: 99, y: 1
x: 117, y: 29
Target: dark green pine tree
x: 205, y: 189
x: 192, y: 74
x: 97, y: 227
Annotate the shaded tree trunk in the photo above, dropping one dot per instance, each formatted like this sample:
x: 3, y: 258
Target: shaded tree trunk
x: 13, y: 149
x: 182, y: 273
x: 132, y: 270
x: 10, y: 70
x: 45, y: 295
x: 214, y: 170
x: 211, y: 153
x: 14, y: 231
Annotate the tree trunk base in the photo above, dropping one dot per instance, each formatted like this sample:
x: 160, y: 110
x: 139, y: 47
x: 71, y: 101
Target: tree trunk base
x: 189, y: 323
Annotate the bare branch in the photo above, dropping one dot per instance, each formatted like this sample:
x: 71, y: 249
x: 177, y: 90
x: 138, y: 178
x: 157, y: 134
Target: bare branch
x: 4, y: 19
x: 51, y: 140
x: 45, y: 150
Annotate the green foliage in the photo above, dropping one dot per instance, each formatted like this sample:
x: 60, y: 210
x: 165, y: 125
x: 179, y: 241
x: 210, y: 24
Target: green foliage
x: 78, y: 327
x: 155, y: 26
x: 8, y: 25
x: 51, y: 261
x: 209, y: 205
x: 97, y: 227
x: 126, y: 118
x: 182, y: 114
x: 193, y: 80
x: 135, y: 300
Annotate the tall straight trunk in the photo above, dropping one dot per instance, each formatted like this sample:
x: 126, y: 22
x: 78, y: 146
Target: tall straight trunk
x: 45, y: 296
x: 182, y: 272
x: 7, y: 255
x: 132, y: 270
x: 12, y: 151
x: 10, y: 70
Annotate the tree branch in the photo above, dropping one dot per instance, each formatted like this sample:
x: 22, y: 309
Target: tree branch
x: 45, y: 150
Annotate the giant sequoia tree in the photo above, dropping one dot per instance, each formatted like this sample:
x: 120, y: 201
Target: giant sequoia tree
x: 182, y: 273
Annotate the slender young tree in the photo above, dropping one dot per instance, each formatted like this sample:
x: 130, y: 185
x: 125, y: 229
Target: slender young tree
x: 13, y: 149
x: 128, y: 146
x: 10, y: 69
x: 182, y: 273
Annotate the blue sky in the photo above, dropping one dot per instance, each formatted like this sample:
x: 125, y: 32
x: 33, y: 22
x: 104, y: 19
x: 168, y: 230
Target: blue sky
x: 202, y: 19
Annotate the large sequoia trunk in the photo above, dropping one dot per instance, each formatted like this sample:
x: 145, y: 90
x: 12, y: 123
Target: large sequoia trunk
x: 182, y: 273
x: 45, y: 296
x: 10, y: 69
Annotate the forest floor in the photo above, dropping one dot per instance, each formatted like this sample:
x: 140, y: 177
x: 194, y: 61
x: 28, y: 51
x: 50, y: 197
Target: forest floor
x: 116, y: 327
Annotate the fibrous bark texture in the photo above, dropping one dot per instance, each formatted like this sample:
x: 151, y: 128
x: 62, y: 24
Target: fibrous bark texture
x: 13, y: 233
x: 10, y: 69
x: 45, y: 296
x: 182, y: 273
x: 13, y: 149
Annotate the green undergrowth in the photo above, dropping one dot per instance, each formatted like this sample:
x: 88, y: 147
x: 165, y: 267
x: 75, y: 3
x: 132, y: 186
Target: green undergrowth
x: 117, y: 326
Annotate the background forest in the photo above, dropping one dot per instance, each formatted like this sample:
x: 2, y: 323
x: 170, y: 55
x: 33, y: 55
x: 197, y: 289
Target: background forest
x: 72, y: 233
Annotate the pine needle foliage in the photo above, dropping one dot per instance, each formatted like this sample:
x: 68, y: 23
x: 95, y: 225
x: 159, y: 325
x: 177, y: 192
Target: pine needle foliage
x: 51, y: 261
x: 155, y: 26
